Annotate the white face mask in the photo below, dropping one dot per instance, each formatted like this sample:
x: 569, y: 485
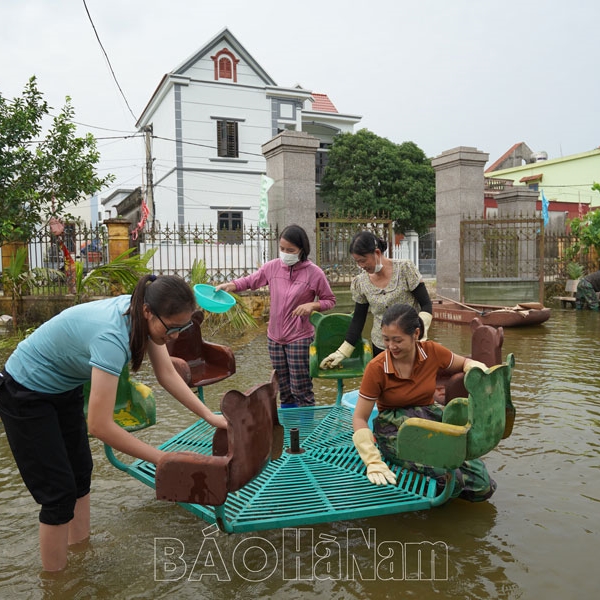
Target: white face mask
x: 289, y: 259
x: 378, y: 267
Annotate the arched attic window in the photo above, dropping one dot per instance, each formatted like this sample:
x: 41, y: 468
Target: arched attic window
x: 225, y: 64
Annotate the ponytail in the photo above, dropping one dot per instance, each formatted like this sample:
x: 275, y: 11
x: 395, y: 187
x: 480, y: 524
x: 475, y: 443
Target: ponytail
x: 166, y: 295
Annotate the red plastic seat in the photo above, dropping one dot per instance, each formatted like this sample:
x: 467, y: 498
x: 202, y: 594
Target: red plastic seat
x: 208, y: 362
x: 253, y: 437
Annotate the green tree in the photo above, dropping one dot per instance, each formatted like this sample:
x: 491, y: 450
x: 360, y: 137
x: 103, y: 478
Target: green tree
x: 367, y: 175
x: 39, y: 177
x: 586, y: 231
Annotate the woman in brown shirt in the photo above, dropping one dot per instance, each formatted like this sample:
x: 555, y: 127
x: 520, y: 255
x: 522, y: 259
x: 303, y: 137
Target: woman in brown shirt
x: 402, y: 382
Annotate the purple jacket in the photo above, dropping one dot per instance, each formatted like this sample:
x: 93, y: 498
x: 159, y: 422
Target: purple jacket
x: 289, y: 287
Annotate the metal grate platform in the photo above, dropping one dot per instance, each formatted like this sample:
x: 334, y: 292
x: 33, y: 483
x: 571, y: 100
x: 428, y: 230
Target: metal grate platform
x: 325, y: 482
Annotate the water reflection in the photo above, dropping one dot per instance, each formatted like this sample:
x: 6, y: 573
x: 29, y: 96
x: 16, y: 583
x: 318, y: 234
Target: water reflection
x: 535, y: 538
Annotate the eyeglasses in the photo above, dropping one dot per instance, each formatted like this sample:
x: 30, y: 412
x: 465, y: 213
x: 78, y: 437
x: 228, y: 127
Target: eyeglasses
x: 172, y: 330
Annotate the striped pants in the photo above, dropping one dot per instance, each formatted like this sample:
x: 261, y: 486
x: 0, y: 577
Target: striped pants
x: 290, y: 361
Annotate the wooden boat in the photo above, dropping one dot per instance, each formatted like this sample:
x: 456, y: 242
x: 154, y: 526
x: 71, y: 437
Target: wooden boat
x: 520, y: 315
x: 289, y: 467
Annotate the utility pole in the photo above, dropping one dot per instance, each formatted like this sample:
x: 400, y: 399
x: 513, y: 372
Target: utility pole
x: 149, y: 180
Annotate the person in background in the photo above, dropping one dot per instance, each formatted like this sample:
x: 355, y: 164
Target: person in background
x: 402, y: 382
x: 42, y: 400
x: 586, y: 293
x: 382, y: 283
x: 297, y: 288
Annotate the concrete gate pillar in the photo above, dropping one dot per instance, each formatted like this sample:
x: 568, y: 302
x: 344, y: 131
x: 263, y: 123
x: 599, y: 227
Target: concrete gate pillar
x: 290, y: 158
x: 459, y: 184
x: 517, y: 202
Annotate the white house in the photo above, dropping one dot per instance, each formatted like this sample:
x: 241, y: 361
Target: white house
x: 206, y: 123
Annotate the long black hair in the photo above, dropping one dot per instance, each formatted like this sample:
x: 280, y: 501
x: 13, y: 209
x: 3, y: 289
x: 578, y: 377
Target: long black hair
x: 366, y: 242
x: 294, y: 234
x: 405, y: 317
x: 165, y: 295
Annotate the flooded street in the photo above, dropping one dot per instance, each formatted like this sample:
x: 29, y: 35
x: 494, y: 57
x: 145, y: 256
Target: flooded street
x: 536, y: 538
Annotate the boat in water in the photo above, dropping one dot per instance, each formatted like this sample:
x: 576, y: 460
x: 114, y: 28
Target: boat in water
x: 521, y: 315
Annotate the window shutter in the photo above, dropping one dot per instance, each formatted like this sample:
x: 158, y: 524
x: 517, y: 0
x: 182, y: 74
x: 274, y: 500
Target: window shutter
x: 232, y: 139
x: 227, y: 139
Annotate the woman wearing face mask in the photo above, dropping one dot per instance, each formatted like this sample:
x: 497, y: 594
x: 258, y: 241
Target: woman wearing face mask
x: 382, y: 283
x: 297, y: 287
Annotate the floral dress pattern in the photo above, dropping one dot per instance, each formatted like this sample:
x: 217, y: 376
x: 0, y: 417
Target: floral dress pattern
x: 405, y: 278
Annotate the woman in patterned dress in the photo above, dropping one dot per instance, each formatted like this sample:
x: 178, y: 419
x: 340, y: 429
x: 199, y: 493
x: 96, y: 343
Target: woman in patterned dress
x: 382, y: 283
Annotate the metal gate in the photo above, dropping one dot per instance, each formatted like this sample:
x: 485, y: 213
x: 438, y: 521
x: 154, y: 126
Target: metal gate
x: 502, y: 260
x: 333, y: 240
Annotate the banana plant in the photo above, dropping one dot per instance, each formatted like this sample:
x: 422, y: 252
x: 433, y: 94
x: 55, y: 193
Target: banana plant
x: 18, y: 279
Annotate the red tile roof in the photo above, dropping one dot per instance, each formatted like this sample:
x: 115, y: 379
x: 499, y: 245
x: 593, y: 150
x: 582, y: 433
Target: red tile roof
x: 495, y: 164
x: 322, y: 103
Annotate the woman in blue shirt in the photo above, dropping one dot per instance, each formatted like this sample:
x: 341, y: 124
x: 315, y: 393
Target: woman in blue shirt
x: 42, y: 402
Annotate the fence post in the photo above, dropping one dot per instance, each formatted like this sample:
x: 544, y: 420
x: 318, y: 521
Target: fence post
x: 9, y: 251
x: 459, y: 184
x: 118, y: 236
x: 290, y: 158
x: 118, y: 242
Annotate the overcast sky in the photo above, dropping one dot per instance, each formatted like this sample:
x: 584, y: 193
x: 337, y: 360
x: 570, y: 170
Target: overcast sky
x: 440, y: 73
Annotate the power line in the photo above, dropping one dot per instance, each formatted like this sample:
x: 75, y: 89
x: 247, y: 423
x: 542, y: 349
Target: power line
x: 109, y: 137
x: 158, y: 137
x: 108, y: 60
x: 104, y: 128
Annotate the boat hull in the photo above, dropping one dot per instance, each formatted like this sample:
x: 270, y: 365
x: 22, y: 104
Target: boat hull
x: 496, y: 316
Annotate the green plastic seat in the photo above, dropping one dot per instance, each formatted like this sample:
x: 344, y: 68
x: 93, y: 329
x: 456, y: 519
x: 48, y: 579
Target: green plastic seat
x: 470, y: 427
x: 330, y: 331
x: 135, y: 407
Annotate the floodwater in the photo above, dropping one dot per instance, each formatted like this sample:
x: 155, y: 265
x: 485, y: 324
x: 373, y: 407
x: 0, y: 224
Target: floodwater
x: 537, y: 537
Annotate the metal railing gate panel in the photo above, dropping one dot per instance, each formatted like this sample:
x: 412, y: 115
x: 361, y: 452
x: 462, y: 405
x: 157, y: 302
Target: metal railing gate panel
x: 502, y: 260
x: 333, y: 239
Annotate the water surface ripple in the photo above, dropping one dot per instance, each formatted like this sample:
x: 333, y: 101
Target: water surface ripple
x: 536, y: 538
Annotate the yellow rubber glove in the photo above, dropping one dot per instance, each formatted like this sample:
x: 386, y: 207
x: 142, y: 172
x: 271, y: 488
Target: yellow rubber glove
x: 426, y: 318
x: 377, y: 471
x: 335, y: 358
x: 470, y: 363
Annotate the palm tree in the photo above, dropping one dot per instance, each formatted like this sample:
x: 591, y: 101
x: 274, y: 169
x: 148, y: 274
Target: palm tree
x: 121, y: 274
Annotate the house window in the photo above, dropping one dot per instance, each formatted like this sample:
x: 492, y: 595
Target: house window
x: 286, y: 110
x: 225, y: 68
x: 227, y: 139
x: 230, y: 227
x: 532, y: 181
x: 225, y: 65
x: 322, y: 158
